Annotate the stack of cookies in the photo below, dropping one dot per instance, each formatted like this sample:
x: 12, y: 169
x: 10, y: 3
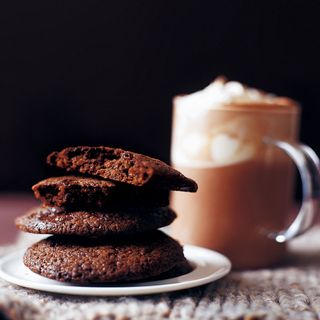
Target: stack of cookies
x: 104, y: 218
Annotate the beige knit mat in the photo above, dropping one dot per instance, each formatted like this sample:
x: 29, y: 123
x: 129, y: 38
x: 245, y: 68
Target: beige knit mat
x: 291, y: 291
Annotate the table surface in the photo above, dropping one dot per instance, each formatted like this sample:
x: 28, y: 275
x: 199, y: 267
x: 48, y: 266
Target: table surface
x: 288, y: 291
x: 11, y: 206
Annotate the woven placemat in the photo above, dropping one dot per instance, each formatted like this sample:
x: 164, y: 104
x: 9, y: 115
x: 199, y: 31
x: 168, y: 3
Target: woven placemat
x: 290, y: 291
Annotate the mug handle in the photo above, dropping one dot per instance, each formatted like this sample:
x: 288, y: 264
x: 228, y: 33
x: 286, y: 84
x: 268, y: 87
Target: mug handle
x: 308, y: 165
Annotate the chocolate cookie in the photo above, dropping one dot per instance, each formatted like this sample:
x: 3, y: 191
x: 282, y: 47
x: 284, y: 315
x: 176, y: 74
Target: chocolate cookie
x: 101, y: 260
x: 74, y: 192
x: 57, y: 221
x: 123, y: 166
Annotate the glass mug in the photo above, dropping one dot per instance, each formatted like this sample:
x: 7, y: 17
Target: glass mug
x: 242, y: 156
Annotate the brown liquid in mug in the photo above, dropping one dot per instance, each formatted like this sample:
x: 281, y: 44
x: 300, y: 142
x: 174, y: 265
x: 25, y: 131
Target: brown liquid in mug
x: 238, y: 203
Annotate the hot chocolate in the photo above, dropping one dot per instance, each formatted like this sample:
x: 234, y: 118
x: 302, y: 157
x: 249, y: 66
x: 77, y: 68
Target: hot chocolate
x: 245, y: 186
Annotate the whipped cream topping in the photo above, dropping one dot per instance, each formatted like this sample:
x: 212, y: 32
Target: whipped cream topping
x: 222, y: 91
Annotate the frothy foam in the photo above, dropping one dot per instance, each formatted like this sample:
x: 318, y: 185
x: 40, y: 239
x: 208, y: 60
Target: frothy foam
x: 221, y: 92
x: 228, y: 142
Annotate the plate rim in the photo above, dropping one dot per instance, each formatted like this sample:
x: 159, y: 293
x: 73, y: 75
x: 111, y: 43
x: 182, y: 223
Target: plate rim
x: 151, y: 287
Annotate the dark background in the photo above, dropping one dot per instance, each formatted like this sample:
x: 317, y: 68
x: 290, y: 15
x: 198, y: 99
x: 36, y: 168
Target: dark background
x: 104, y: 72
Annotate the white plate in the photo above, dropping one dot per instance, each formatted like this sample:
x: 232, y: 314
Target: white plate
x: 209, y: 266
